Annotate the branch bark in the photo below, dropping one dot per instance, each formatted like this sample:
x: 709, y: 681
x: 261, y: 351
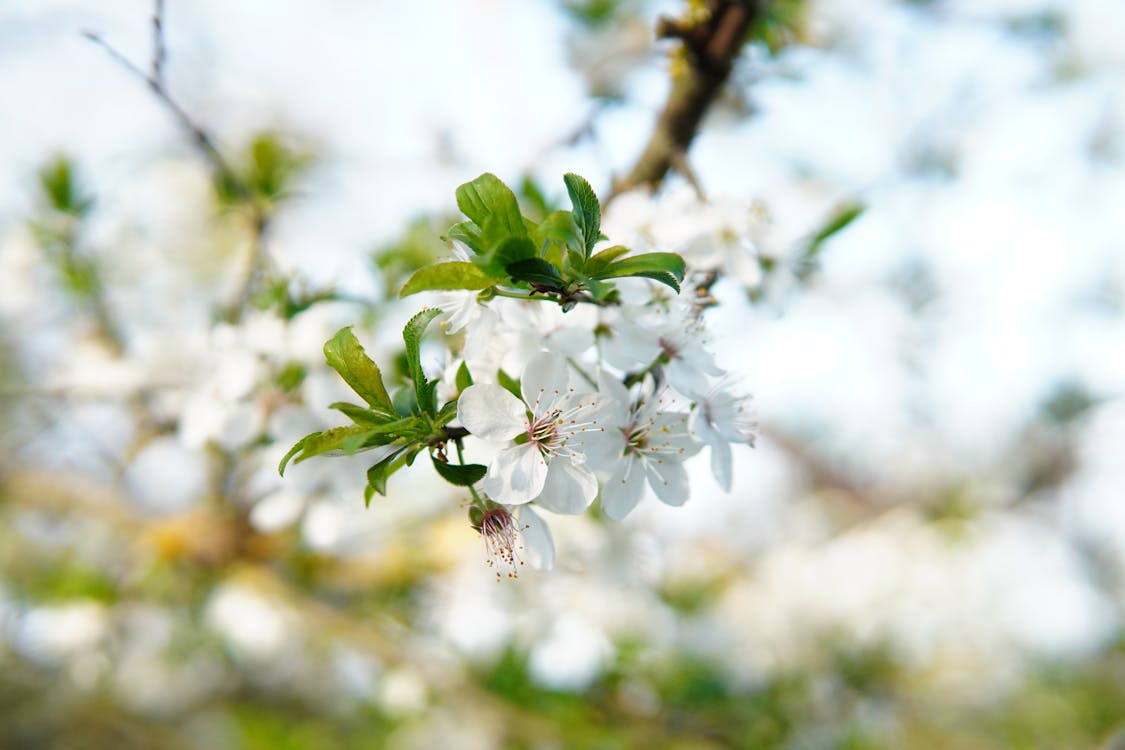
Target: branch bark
x: 711, y: 44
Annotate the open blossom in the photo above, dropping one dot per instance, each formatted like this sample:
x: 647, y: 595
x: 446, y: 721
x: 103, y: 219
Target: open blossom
x: 510, y: 535
x: 554, y: 425
x: 636, y: 340
x: 650, y: 444
x: 721, y: 418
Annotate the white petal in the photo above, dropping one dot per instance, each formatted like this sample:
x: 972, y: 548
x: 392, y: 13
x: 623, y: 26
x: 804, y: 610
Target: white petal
x: 721, y: 463
x: 687, y: 377
x: 602, y: 450
x: 491, y: 412
x: 537, y: 541
x: 669, y: 480
x: 458, y: 308
x: 612, y: 387
x: 570, y: 488
x: 544, y: 379
x: 623, y: 489
x: 702, y: 426
x: 516, y: 475
x: 461, y: 251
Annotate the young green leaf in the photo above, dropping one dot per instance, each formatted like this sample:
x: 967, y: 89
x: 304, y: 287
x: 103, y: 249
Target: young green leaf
x: 464, y: 379
x: 842, y: 217
x: 412, y: 337
x: 469, y: 233
x: 446, y: 414
x: 378, y: 474
x: 508, y: 383
x: 556, y: 232
x: 348, y: 439
x: 486, y: 198
x: 587, y: 211
x: 359, y: 415
x: 601, y: 259
x: 345, y: 355
x: 462, y: 475
x: 456, y: 274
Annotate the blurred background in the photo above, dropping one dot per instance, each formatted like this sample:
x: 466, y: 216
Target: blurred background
x: 919, y: 206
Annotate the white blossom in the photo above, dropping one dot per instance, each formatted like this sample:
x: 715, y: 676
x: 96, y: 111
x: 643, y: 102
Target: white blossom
x: 648, y: 443
x: 638, y: 336
x: 511, y: 534
x: 722, y: 417
x: 459, y: 307
x: 554, y: 422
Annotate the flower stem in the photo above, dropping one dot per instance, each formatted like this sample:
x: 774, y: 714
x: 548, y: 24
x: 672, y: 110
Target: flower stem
x: 477, y: 499
x: 570, y: 361
x: 635, y: 377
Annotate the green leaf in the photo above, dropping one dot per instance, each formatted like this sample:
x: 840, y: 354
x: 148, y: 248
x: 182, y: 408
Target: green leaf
x: 603, y: 258
x: 535, y: 271
x: 462, y: 475
x: 840, y: 219
x: 667, y: 268
x: 349, y: 439
x: 463, y: 379
x: 345, y: 355
x: 293, y: 452
x: 455, y: 274
x: 508, y: 383
x: 359, y: 415
x: 556, y: 232
x: 60, y: 188
x: 487, y: 198
x: 378, y: 474
x: 447, y: 413
x: 509, y: 251
x: 469, y: 233
x: 587, y: 211
x: 412, y: 337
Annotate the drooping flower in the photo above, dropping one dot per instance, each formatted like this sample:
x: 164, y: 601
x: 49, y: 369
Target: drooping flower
x: 649, y: 443
x: 722, y: 417
x: 509, y: 536
x: 554, y: 424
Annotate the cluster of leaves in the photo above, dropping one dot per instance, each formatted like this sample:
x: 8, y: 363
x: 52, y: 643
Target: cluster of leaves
x: 553, y: 257
x: 65, y: 207
x: 402, y: 426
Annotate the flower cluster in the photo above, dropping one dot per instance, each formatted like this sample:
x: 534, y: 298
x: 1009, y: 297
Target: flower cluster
x: 569, y: 361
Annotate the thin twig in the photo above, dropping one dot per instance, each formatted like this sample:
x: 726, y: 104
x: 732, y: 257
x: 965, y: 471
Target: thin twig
x: 222, y: 171
x: 159, y: 50
x: 155, y: 82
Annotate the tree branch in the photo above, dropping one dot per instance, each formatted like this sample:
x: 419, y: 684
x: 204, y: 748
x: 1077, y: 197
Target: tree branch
x: 712, y: 40
x: 156, y: 84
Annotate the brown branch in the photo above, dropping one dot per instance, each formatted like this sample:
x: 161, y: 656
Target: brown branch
x: 712, y: 40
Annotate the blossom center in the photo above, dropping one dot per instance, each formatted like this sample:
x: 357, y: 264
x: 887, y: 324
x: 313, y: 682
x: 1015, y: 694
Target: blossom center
x: 502, y: 540
x: 543, y: 432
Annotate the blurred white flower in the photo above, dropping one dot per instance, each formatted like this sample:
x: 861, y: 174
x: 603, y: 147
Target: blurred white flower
x: 722, y: 417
